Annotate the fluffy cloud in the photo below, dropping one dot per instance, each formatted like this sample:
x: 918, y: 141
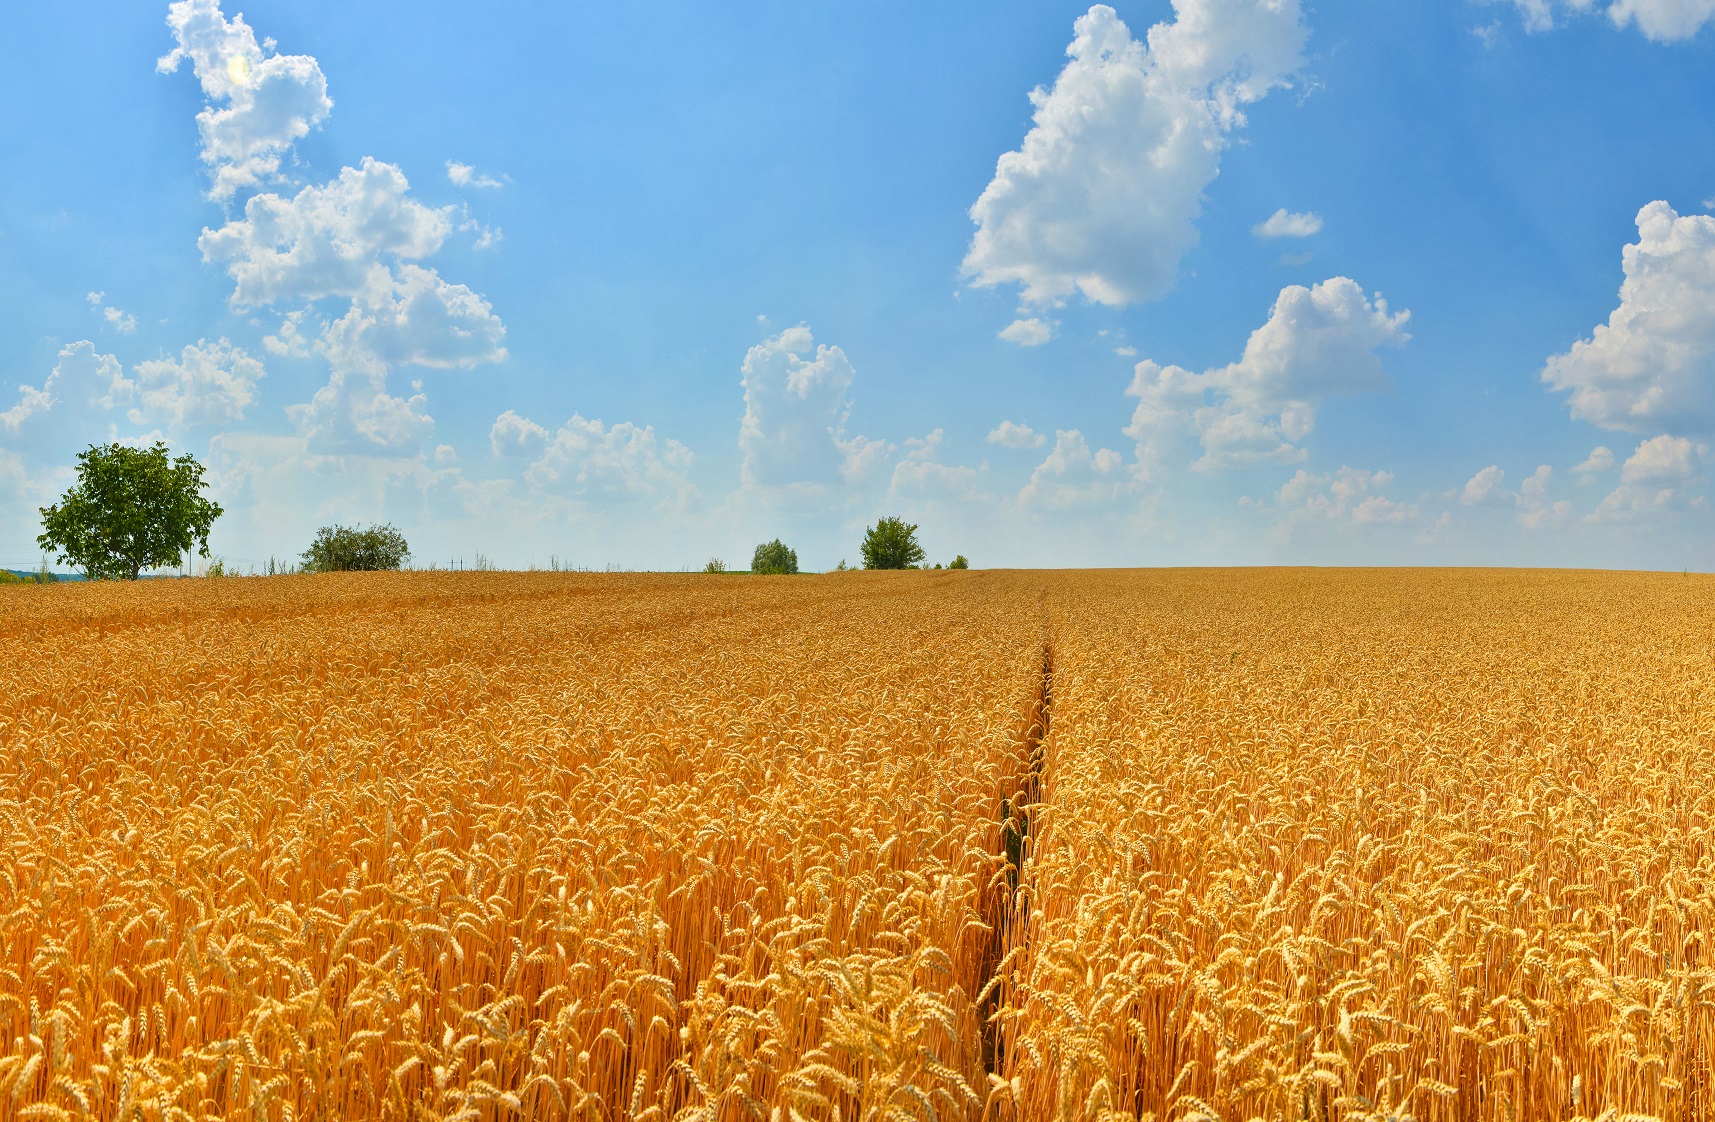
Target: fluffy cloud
x: 1664, y: 21
x: 1073, y: 474
x: 1030, y: 332
x: 208, y: 384
x: 1103, y: 195
x: 357, y: 238
x: 795, y: 409
x: 417, y: 319
x: 922, y: 473
x: 259, y: 102
x: 586, y: 459
x: 1652, y: 479
x: 1599, y: 459
x: 464, y: 175
x: 326, y: 241
x: 1484, y: 487
x: 1652, y: 365
x: 83, y: 385
x: 1535, y: 510
x: 118, y: 320
x: 1281, y: 224
x: 1348, y: 495
x: 1007, y: 434
x: 355, y: 415
x: 1318, y: 343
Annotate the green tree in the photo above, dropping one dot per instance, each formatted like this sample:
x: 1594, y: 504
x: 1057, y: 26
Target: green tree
x: 339, y: 549
x: 131, y: 509
x: 773, y: 558
x: 959, y: 562
x: 891, y: 544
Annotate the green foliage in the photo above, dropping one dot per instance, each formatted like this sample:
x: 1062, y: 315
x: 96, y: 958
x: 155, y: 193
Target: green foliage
x: 131, y: 509
x: 842, y: 566
x: 340, y: 549
x: 217, y: 568
x: 891, y: 544
x: 959, y: 562
x: 773, y: 558
x: 8, y: 577
x: 715, y: 565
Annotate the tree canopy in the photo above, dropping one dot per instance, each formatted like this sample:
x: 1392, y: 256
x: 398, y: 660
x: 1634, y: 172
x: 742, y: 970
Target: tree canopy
x: 339, y: 549
x: 131, y: 509
x: 773, y: 558
x: 891, y: 544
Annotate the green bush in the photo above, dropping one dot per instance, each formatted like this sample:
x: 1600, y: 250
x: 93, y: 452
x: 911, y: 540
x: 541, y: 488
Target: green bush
x: 892, y: 544
x: 349, y: 549
x: 715, y: 565
x: 773, y: 558
x: 959, y: 562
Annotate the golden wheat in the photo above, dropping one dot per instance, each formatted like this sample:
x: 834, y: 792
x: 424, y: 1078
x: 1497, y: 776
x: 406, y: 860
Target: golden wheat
x: 1269, y: 844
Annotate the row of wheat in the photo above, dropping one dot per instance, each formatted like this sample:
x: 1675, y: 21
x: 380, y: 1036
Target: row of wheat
x: 1006, y: 846
x: 466, y: 847
x: 1372, y: 846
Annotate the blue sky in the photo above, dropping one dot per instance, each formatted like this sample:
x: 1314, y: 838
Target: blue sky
x: 1245, y: 282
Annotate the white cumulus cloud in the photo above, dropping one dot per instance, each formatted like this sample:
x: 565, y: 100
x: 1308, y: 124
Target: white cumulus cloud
x: 1030, y: 332
x: 82, y: 384
x: 357, y: 238
x: 208, y: 384
x: 1601, y: 458
x: 796, y: 405
x: 1483, y: 487
x: 1103, y: 195
x: 1009, y: 434
x: 1318, y: 343
x: 1652, y: 365
x: 1664, y: 21
x: 1652, y: 479
x: 1347, y: 495
x: 1282, y: 224
x: 585, y: 459
x: 331, y: 240
x: 259, y: 103
x: 464, y: 175
x: 1073, y: 474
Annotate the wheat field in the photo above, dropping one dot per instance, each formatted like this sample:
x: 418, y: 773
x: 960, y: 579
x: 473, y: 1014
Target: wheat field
x: 990, y: 845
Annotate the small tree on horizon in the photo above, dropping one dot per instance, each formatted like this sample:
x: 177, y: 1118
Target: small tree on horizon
x: 891, y: 544
x: 131, y: 509
x: 959, y: 562
x: 773, y: 559
x: 339, y: 549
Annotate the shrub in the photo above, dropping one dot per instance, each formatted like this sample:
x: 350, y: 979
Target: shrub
x: 715, y: 565
x: 773, y: 558
x: 891, y: 544
x: 349, y: 549
x: 959, y: 562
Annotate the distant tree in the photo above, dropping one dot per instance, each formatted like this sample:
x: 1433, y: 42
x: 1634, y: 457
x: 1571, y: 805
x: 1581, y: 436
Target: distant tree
x: 891, y: 544
x: 131, y: 509
x: 773, y: 558
x: 959, y: 562
x: 715, y: 565
x: 349, y: 549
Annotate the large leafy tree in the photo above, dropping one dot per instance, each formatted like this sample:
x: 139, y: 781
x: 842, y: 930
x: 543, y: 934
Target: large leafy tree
x: 773, y: 558
x: 131, y: 509
x: 891, y: 544
x: 349, y: 549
